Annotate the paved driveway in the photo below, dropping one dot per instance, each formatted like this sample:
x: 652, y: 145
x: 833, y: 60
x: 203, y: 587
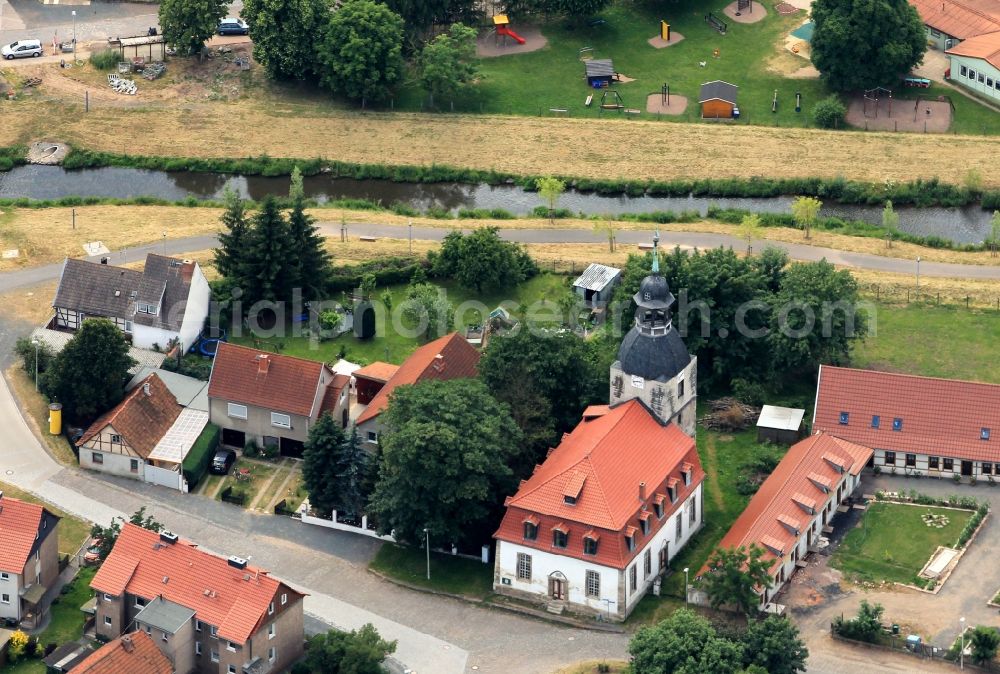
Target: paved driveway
x: 817, y: 594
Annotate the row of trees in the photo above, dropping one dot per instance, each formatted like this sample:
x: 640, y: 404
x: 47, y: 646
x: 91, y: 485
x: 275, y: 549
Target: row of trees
x: 687, y: 643
x: 720, y: 291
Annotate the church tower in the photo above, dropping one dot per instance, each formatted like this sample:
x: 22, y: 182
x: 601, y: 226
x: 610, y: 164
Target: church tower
x: 653, y: 363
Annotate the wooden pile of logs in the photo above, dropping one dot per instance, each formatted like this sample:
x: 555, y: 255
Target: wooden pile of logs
x: 729, y: 414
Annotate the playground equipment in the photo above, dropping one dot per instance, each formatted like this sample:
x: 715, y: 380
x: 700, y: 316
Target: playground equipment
x: 744, y: 5
x: 599, y: 72
x: 798, y: 102
x: 501, y: 22
x: 872, y: 97
x: 664, y: 31
x: 716, y: 23
x: 616, y: 103
x: 774, y: 102
x: 665, y: 95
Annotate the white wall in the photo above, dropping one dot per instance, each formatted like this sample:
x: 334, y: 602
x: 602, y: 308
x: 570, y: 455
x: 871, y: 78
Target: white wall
x: 196, y: 309
x: 614, y: 582
x: 12, y: 588
x: 164, y: 477
x: 114, y: 464
x: 145, y: 336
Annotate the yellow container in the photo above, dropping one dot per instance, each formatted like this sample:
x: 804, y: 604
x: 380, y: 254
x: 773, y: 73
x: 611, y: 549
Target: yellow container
x: 55, y: 418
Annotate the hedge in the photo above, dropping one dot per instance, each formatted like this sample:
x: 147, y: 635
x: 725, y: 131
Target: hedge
x: 387, y: 271
x: 196, y: 462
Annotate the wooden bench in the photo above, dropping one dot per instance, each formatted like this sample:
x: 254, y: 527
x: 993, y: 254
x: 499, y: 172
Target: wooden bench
x: 645, y: 246
x: 590, y: 99
x: 558, y: 111
x: 632, y: 111
x: 368, y: 239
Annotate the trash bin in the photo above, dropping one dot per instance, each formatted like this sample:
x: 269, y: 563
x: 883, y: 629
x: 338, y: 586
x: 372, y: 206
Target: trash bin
x: 895, y: 628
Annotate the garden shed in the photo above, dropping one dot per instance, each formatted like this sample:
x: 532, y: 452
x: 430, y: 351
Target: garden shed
x: 781, y: 425
x: 718, y: 100
x: 600, y: 72
x: 596, y: 284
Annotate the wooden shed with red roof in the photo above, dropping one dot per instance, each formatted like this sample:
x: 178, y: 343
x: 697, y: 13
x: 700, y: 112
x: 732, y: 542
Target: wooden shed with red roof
x: 448, y: 357
x: 794, y: 506
x: 937, y: 427
x: 599, y: 521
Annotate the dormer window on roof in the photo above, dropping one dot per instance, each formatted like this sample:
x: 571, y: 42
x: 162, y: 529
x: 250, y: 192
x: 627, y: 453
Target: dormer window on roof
x: 804, y: 502
x: 630, y: 533
x: 820, y: 481
x: 590, y: 542
x: 574, y: 485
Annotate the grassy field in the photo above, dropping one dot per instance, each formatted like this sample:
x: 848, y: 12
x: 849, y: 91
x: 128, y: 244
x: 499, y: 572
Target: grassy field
x: 260, y: 471
x: 73, y: 531
x: 392, y: 346
x: 455, y: 575
x: 953, y: 342
x: 893, y: 543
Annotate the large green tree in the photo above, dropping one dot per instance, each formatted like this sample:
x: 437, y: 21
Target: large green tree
x: 352, y: 476
x: 310, y: 263
x: 321, y: 458
x: 427, y: 311
x: 527, y: 370
x: 860, y: 44
x: 229, y: 254
x: 359, y: 651
x: 267, y: 271
x: 88, y: 376
x: 447, y: 447
x: 361, y: 51
x: 734, y: 576
x: 684, y: 643
x: 482, y: 260
x: 815, y: 317
x: 984, y: 641
x: 774, y: 644
x: 448, y: 62
x: 186, y: 24
x: 284, y: 34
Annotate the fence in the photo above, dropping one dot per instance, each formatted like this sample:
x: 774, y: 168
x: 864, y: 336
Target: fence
x: 890, y: 294
x: 230, y: 495
x: 332, y: 523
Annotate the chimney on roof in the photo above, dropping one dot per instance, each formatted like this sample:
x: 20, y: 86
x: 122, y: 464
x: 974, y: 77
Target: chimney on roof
x: 104, y: 260
x: 168, y: 537
x: 127, y: 643
x: 642, y: 491
x: 438, y: 364
x: 263, y: 362
x: 237, y: 562
x: 145, y: 389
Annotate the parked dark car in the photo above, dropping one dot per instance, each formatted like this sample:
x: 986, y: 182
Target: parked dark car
x: 231, y: 26
x: 222, y: 461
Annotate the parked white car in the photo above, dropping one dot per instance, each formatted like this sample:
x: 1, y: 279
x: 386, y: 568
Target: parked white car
x: 21, y: 49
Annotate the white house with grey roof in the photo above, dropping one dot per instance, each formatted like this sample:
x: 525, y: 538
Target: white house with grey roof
x: 168, y: 300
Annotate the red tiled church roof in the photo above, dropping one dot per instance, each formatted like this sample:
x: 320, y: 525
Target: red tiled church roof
x: 262, y: 379
x: 942, y: 417
x: 603, y: 461
x: 448, y: 357
x: 134, y: 653
x: 141, y: 419
x: 232, y: 599
x: 780, y: 502
x: 19, y: 525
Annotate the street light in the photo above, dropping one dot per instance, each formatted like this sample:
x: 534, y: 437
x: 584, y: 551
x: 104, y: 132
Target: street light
x: 961, y: 636
x: 427, y: 544
x: 411, y: 237
x: 686, y: 584
x: 34, y: 340
x: 74, y: 35
x: 164, y: 243
x: 918, y: 275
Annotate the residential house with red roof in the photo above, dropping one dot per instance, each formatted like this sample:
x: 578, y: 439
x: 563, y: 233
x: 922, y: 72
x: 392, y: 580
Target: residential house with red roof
x: 948, y: 22
x: 937, y: 427
x: 204, y: 612
x: 29, y: 558
x: 134, y: 653
x: 448, y: 357
x: 794, y: 506
x: 146, y: 436
x: 596, y: 524
x: 975, y: 63
x: 272, y: 399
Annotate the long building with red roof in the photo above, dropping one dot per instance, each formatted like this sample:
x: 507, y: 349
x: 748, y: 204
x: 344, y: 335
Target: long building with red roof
x: 204, y: 612
x: 788, y: 514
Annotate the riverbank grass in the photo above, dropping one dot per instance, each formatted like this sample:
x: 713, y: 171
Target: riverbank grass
x: 451, y: 574
x: 893, y: 541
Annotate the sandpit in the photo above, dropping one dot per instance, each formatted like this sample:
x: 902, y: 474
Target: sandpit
x: 655, y: 104
x: 47, y: 152
x: 756, y: 12
x: 923, y: 116
x: 659, y: 43
x: 490, y: 45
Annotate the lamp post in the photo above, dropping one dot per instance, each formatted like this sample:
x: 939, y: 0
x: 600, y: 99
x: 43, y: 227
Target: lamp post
x: 411, y: 237
x: 74, y: 35
x: 686, y: 583
x: 164, y: 243
x: 37, y: 344
x: 918, y: 276
x: 961, y: 636
x: 427, y: 544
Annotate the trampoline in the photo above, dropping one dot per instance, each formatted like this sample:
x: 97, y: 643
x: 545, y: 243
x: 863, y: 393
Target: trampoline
x: 805, y: 31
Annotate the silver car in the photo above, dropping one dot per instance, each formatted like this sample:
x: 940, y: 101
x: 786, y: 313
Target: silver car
x: 21, y: 49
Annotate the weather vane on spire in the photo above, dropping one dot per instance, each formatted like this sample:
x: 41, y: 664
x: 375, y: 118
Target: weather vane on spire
x: 656, y: 255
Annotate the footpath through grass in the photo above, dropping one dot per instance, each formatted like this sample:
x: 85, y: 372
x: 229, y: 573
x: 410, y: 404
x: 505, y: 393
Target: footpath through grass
x: 892, y: 542
x: 454, y: 575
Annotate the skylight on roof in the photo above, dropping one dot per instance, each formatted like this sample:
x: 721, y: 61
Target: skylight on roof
x: 897, y: 424
x: 984, y: 434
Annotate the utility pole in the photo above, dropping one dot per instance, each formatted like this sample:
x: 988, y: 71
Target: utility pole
x: 427, y: 544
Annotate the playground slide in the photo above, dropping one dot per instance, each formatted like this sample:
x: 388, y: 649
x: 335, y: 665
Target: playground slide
x: 504, y: 30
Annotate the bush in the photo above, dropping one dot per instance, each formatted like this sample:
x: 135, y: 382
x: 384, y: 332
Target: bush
x: 748, y: 392
x: 191, y: 365
x: 251, y: 450
x: 106, y: 59
x: 829, y: 113
x: 864, y: 627
x: 196, y: 462
x: 269, y: 451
